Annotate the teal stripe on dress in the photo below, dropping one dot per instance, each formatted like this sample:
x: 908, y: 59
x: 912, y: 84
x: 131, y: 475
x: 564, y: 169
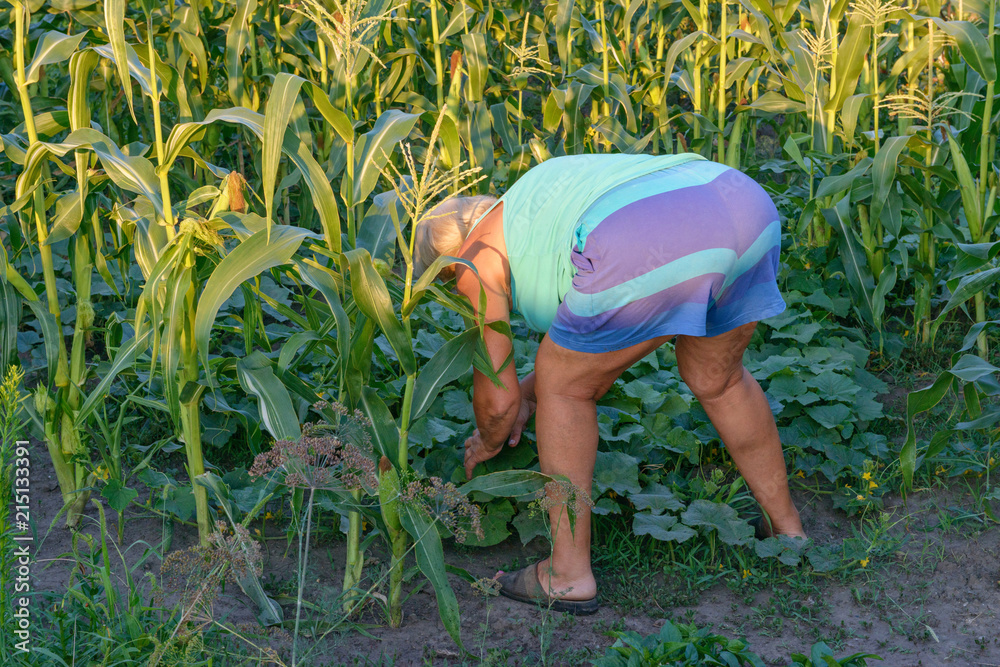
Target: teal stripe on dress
x: 713, y: 260
x: 681, y: 176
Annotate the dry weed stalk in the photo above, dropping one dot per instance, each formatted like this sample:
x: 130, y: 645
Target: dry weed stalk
x: 196, y: 576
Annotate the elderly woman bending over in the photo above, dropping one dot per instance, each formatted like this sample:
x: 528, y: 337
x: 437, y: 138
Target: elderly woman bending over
x: 610, y: 256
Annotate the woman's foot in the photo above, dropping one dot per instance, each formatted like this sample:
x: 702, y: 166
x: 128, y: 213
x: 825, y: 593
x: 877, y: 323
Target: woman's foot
x: 558, y: 585
x: 763, y: 528
x: 525, y: 586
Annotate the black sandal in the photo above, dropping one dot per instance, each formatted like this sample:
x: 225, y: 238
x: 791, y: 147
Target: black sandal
x: 760, y: 529
x: 523, y: 586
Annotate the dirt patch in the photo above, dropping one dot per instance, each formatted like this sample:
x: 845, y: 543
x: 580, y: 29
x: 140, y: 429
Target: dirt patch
x: 934, y: 599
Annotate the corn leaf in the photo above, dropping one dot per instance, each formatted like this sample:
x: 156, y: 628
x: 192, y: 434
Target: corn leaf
x: 430, y: 560
x: 132, y: 173
x: 850, y: 60
x: 474, y: 52
x: 300, y: 155
x: 384, y: 429
x: 277, y: 114
x: 451, y: 361
x: 855, y: 264
x: 973, y: 46
x: 126, y: 358
x: 81, y: 66
x: 519, y: 484
x: 53, y: 47
x: 277, y: 414
x: 372, y: 152
x: 372, y: 297
x: 884, y: 172
x: 250, y: 258
x: 968, y: 190
x: 50, y: 334
x: 968, y: 287
x: 237, y: 39
x: 10, y: 319
x: 114, y: 23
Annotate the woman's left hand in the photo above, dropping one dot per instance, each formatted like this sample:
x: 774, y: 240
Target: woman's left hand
x: 476, y: 451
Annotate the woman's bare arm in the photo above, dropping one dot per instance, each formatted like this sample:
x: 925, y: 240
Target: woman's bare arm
x: 496, y: 407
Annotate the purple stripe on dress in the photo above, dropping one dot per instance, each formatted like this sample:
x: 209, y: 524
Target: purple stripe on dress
x: 730, y: 212
x: 702, y: 290
x: 690, y: 319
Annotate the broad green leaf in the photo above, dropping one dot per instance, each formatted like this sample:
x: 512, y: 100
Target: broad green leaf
x: 117, y: 495
x: 830, y: 416
x: 494, y: 525
x: 720, y: 516
x: 657, y: 498
x: 663, y: 527
x: 430, y: 560
x: 250, y: 258
x: 52, y: 47
x: 373, y: 300
x: 278, y: 112
x: 277, y: 414
x: 616, y: 471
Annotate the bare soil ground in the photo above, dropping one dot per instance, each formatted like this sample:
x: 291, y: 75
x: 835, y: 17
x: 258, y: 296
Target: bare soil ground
x: 934, y: 601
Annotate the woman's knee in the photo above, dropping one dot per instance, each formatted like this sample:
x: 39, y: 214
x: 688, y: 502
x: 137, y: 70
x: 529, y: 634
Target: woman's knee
x: 710, y: 381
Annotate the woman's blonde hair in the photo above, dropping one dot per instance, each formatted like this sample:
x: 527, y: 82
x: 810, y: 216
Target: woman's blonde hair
x: 443, y: 230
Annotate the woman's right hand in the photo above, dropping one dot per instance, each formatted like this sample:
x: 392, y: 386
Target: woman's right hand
x: 528, y: 405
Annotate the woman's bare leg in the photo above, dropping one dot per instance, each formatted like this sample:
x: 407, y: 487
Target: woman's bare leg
x: 713, y: 370
x: 567, y: 386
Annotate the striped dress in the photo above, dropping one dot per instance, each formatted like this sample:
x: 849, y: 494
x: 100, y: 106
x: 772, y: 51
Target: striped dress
x: 688, y: 249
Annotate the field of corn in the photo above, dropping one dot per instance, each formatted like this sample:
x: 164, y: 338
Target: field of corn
x: 243, y: 415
